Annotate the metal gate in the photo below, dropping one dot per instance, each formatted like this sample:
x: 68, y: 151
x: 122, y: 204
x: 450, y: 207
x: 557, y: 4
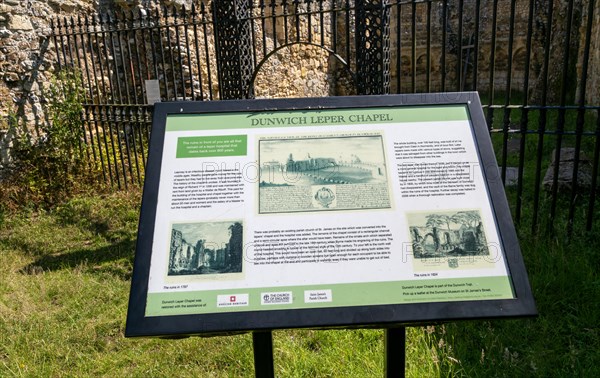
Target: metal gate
x: 529, y: 60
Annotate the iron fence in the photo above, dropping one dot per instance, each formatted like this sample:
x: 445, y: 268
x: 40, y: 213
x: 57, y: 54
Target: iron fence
x: 530, y: 61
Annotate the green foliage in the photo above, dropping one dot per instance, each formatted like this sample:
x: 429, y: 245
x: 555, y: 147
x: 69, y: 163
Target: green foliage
x: 66, y: 279
x: 52, y: 166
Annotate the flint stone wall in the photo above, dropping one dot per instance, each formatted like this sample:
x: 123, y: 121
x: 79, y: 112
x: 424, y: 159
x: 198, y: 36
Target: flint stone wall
x: 28, y: 58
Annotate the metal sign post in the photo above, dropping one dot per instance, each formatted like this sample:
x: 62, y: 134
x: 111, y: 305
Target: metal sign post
x: 262, y: 342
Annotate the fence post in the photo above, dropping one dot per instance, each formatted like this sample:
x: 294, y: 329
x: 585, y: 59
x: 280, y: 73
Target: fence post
x: 233, y: 36
x: 373, y: 47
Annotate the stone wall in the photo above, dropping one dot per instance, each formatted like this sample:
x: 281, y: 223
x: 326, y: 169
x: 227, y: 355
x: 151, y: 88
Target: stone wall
x: 28, y: 57
x: 26, y: 60
x: 593, y: 81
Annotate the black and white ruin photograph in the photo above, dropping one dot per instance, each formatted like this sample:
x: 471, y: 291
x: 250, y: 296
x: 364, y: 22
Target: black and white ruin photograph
x: 206, y: 248
x: 447, y: 234
x: 322, y: 161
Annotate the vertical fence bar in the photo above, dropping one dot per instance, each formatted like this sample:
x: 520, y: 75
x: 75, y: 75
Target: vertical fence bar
x: 398, y: 48
x: 459, y: 47
x: 129, y: 67
x: 413, y: 46
x: 116, y: 112
x: 133, y: 57
x: 428, y: 51
x: 206, y: 51
x: 121, y: 37
x: 83, y: 34
x: 490, y: 112
x: 194, y: 21
x: 111, y: 25
x: 273, y: 7
x: 322, y: 23
x: 126, y: 136
x: 168, y: 49
x: 186, y: 38
x: 62, y: 44
x: 348, y: 34
x: 476, y: 45
x: 55, y: 32
x: 98, y: 95
x: 114, y: 118
x: 91, y: 116
x: 444, y: 43
x: 138, y: 57
x: 99, y: 121
x: 580, y: 115
x: 79, y: 66
x: 284, y: 7
x: 167, y: 25
x: 83, y: 67
x: 543, y: 115
x: 179, y: 53
x: 309, y: 20
x: 145, y: 26
x: 98, y: 26
x: 263, y: 28
x: 104, y: 26
x: 77, y: 72
x: 106, y: 117
x: 119, y: 52
x: 163, y: 62
x: 133, y: 122
x: 596, y: 158
x: 69, y: 31
x: 561, y: 113
x: 143, y: 48
x: 139, y: 126
x: 251, y: 20
x: 508, y: 92
x: 296, y: 19
x: 524, y: 113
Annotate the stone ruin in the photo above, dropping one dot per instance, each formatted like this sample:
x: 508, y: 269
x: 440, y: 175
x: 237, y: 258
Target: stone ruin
x: 28, y: 57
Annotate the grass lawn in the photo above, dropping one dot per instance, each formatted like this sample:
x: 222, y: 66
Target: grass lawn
x: 64, y: 286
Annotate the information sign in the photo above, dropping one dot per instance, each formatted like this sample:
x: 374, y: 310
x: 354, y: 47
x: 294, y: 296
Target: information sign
x: 331, y: 212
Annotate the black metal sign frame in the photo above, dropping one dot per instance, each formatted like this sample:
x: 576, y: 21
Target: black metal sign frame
x: 380, y: 316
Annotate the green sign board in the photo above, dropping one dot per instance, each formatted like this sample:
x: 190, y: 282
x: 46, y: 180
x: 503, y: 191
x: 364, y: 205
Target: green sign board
x: 328, y: 212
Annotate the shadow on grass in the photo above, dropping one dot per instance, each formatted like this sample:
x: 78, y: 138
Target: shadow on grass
x: 115, y: 259
x: 563, y: 341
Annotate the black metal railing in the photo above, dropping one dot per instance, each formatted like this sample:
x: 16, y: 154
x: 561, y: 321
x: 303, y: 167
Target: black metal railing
x: 530, y: 61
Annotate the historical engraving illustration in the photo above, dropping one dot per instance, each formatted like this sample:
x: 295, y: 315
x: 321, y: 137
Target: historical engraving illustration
x: 206, y: 248
x: 314, y: 173
x: 448, y: 235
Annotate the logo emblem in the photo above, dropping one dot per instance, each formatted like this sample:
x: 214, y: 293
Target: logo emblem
x: 453, y: 263
x: 324, y: 197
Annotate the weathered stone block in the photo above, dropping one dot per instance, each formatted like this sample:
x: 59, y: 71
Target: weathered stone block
x: 11, y: 77
x: 566, y: 167
x: 67, y: 6
x: 18, y: 22
x: 511, y: 177
x: 5, y: 33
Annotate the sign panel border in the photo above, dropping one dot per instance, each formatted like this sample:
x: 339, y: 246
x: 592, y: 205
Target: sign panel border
x: 138, y: 324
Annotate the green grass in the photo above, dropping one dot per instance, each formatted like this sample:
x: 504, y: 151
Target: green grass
x: 64, y: 286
